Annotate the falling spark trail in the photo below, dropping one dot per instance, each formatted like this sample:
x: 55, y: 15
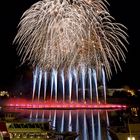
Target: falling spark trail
x: 55, y: 80
x: 52, y: 83
x: 70, y: 84
x: 63, y: 84
x: 45, y: 85
x: 83, y: 83
x: 90, y: 84
x: 95, y: 82
x: 76, y: 83
x: 104, y: 84
x: 34, y: 83
x: 39, y: 85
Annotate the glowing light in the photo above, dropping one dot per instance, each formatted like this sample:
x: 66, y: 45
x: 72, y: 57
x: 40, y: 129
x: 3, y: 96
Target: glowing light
x: 131, y: 138
x: 20, y: 103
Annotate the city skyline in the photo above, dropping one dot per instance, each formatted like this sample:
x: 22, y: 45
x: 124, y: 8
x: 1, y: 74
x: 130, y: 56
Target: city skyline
x: 11, y: 71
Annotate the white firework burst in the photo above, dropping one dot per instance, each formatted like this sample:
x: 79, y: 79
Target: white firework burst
x: 63, y: 34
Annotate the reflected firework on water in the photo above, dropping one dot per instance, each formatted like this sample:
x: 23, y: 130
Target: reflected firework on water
x: 65, y: 34
x: 89, y: 124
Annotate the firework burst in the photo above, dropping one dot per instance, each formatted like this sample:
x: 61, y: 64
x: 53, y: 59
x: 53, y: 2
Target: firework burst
x: 63, y: 34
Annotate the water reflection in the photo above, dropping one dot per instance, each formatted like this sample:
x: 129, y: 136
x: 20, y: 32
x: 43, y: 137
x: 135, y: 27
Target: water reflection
x: 89, y: 124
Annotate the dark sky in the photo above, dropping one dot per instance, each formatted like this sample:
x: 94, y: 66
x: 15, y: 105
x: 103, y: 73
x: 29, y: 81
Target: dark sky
x: 11, y: 73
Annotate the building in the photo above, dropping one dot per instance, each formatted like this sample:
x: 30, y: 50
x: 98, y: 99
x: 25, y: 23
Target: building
x: 129, y: 132
x: 129, y: 129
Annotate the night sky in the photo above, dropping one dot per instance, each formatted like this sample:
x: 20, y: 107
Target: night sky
x: 13, y: 75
